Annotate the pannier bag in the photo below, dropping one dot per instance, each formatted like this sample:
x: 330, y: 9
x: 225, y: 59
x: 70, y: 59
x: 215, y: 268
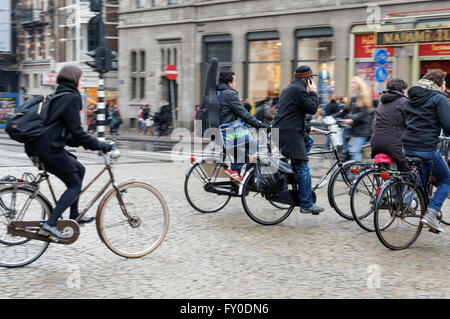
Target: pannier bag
x: 271, y: 175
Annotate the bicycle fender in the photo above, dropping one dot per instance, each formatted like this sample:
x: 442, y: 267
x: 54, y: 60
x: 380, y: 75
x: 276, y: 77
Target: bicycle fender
x: 385, y: 185
x: 246, y: 176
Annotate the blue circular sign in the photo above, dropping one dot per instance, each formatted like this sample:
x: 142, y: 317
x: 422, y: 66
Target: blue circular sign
x: 381, y: 56
x: 381, y: 74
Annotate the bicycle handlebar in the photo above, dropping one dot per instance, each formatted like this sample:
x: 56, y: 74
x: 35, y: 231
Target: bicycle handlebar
x: 444, y: 138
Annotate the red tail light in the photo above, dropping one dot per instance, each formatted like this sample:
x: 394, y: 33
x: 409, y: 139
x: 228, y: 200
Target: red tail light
x: 378, y: 190
x: 192, y: 160
x: 354, y: 169
x: 20, y: 180
x: 384, y: 175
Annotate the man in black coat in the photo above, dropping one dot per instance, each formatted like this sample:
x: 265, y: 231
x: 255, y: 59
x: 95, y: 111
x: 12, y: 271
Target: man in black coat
x: 296, y: 101
x: 231, y: 109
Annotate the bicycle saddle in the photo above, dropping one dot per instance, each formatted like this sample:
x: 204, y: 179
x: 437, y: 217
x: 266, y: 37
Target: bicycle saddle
x: 37, y: 163
x: 383, y: 159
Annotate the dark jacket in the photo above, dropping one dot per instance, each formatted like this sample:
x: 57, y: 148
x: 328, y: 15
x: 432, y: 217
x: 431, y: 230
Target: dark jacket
x: 361, y: 125
x: 332, y: 108
x: 389, y: 126
x: 231, y: 108
x: 427, y: 111
x: 49, y: 147
x: 295, y: 102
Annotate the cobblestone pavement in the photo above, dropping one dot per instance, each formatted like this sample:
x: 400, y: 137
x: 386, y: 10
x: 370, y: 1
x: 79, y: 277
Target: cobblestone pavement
x: 226, y: 255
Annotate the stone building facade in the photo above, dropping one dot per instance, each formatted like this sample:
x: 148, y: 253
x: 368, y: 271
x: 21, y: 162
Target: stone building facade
x: 262, y: 41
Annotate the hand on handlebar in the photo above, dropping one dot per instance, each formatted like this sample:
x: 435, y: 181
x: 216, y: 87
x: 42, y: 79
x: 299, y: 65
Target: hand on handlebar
x: 106, y: 147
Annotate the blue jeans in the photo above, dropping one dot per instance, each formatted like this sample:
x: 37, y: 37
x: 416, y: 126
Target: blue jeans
x: 241, y: 153
x: 301, y: 169
x: 309, y: 143
x: 358, y: 142
x: 434, y: 162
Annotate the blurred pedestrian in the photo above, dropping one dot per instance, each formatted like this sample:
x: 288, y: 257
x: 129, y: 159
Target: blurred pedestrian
x: 147, y: 118
x: 333, y: 106
x: 197, y: 107
x: 116, y: 119
x: 91, y: 118
x: 357, y: 114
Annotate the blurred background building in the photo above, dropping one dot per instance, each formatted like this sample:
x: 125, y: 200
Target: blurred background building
x: 263, y: 41
x: 44, y: 35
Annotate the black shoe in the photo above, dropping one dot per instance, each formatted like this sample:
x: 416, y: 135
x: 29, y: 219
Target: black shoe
x: 314, y: 209
x: 84, y: 220
x: 54, y: 231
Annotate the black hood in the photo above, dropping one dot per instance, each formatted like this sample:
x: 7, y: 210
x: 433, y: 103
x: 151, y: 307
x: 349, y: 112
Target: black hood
x: 418, y: 96
x: 390, y: 95
x: 67, y: 87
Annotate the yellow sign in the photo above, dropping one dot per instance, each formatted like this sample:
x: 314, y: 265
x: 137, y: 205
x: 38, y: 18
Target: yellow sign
x: 412, y: 37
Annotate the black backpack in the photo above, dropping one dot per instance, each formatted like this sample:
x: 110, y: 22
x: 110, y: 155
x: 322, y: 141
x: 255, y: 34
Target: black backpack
x: 28, y: 120
x: 208, y: 115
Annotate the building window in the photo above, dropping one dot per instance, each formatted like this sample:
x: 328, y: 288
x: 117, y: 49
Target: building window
x: 263, y: 65
x: 142, y: 87
x: 141, y: 3
x: 315, y: 49
x: 220, y: 47
x: 133, y: 87
x: 142, y: 54
x: 133, y: 63
x: 171, y: 1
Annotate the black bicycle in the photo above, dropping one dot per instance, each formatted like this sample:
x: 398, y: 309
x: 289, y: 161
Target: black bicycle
x: 401, y: 203
x: 270, y: 208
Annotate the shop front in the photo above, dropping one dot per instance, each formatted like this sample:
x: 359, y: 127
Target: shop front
x: 363, y: 63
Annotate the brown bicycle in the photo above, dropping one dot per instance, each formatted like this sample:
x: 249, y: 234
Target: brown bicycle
x: 132, y: 218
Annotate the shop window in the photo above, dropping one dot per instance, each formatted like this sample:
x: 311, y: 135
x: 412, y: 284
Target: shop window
x: 264, y: 68
x: 315, y: 49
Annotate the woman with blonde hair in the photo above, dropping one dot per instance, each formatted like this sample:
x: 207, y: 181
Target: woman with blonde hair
x: 357, y: 114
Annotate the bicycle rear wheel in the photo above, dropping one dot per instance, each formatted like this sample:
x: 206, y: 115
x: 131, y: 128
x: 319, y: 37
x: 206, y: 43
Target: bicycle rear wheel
x: 396, y: 228
x: 145, y: 227
x: 259, y: 208
x: 363, y: 195
x: 19, y: 204
x: 196, y: 180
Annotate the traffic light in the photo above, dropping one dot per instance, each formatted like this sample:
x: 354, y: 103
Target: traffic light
x: 111, y: 60
x: 96, y: 5
x: 95, y: 26
x: 99, y: 55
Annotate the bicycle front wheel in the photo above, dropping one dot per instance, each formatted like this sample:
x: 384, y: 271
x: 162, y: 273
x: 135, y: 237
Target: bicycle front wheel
x: 396, y: 227
x: 133, y: 221
x: 20, y: 204
x: 259, y: 207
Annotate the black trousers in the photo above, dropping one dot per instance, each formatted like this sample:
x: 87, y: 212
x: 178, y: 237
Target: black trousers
x: 73, y: 183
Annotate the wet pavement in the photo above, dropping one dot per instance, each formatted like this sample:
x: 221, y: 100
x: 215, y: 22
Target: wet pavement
x: 225, y: 255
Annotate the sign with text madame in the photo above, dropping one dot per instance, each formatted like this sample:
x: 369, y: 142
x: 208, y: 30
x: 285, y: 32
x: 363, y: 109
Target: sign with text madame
x: 412, y: 37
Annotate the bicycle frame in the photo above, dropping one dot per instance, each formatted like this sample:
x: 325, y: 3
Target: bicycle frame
x: 45, y: 176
